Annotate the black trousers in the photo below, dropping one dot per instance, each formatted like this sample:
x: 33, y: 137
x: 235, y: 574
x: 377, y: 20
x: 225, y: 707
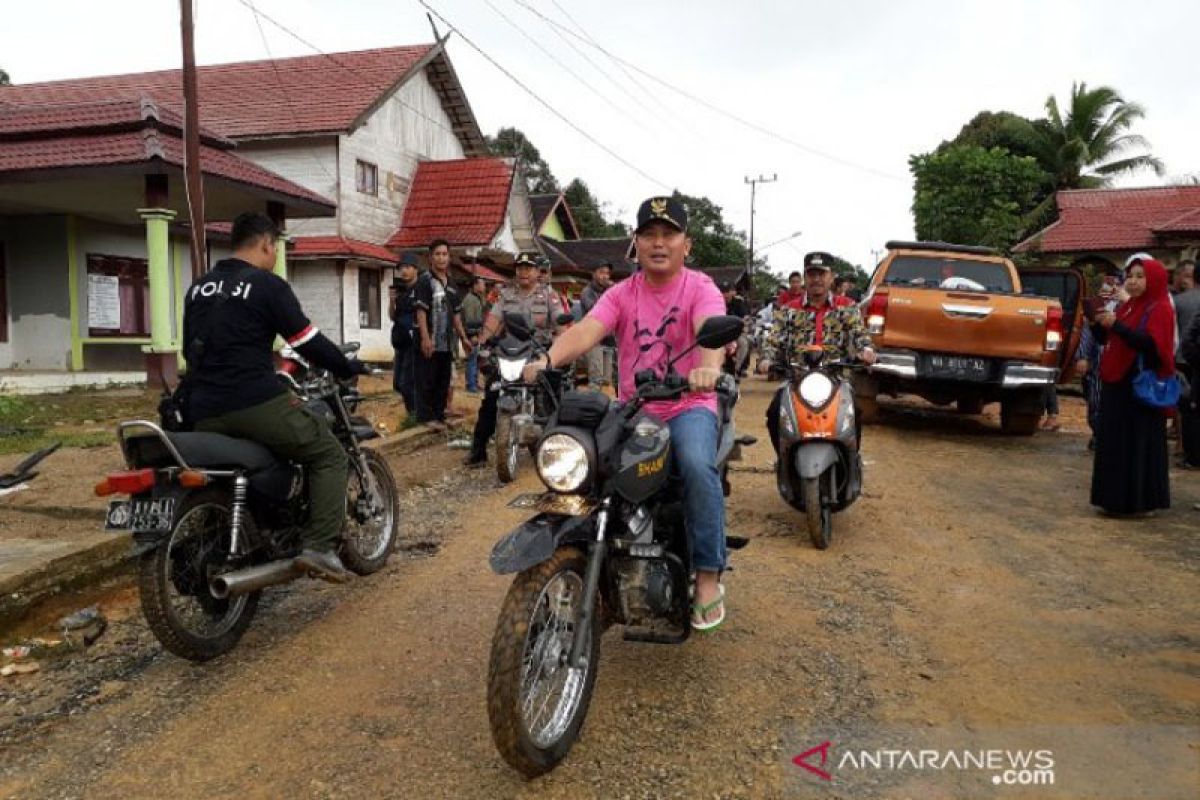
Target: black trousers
x: 485, y: 423
x: 1189, y: 422
x: 433, y: 383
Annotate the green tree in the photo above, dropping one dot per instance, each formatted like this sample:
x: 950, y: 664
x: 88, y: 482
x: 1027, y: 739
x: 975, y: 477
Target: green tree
x: 4, y: 79
x: 989, y: 129
x: 969, y: 195
x: 715, y: 243
x: 513, y: 143
x: 1091, y: 143
x: 843, y: 268
x: 589, y: 217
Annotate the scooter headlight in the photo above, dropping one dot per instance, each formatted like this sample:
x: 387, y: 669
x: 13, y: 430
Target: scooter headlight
x: 562, y: 463
x: 816, y: 389
x: 510, y: 369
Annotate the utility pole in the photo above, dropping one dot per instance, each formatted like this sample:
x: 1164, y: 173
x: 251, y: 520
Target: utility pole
x: 753, y: 192
x: 193, y: 181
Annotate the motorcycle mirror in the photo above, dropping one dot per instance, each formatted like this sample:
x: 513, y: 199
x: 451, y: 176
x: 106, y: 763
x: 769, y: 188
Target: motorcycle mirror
x: 516, y: 325
x: 719, y: 331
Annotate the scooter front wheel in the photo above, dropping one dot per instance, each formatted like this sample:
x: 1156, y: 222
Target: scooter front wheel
x: 817, y: 515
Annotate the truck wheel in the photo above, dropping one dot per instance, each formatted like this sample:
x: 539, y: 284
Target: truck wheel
x: 1020, y: 412
x: 1018, y: 422
x: 970, y: 405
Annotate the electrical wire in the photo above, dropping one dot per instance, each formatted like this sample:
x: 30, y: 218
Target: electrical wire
x: 612, y: 153
x: 715, y: 109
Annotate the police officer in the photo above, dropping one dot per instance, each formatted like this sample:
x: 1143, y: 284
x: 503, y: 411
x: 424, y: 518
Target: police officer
x: 230, y: 320
x: 539, y: 304
x: 402, y: 310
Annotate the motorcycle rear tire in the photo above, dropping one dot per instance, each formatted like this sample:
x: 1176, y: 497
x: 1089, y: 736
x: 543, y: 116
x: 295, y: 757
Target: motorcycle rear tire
x: 508, y: 449
x: 817, y: 517
x: 154, y: 592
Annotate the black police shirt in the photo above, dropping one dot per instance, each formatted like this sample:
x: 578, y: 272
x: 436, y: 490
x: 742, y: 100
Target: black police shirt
x: 236, y: 368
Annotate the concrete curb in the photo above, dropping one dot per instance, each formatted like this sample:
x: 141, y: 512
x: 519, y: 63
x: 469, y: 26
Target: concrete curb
x: 105, y: 554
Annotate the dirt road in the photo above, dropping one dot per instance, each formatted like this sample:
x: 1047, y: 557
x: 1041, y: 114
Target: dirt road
x: 972, y: 586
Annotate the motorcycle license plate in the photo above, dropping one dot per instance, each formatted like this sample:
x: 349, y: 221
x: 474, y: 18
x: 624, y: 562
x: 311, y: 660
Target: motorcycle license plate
x: 956, y: 367
x: 140, y: 516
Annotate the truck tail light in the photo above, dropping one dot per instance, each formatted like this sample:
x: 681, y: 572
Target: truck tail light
x: 134, y: 482
x: 877, y: 313
x: 1054, y: 329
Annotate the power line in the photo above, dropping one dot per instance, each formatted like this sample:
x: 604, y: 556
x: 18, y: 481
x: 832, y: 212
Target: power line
x: 716, y: 109
x: 563, y: 66
x: 341, y: 64
x: 583, y: 54
x: 539, y: 99
x: 591, y: 40
x: 283, y: 91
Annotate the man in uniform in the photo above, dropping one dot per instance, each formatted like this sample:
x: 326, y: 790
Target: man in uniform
x: 231, y: 318
x: 539, y: 304
x: 820, y: 319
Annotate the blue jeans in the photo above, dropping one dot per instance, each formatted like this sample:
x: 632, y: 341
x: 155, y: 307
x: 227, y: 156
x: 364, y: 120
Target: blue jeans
x: 694, y: 455
x: 473, y: 371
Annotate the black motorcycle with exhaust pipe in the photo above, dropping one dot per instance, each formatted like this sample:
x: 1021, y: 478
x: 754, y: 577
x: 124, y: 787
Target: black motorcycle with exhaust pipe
x: 216, y: 519
x: 607, y: 546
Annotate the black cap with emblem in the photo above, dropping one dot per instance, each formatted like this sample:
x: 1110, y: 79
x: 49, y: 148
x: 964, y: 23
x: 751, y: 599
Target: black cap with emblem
x: 527, y: 260
x: 818, y: 260
x: 666, y: 209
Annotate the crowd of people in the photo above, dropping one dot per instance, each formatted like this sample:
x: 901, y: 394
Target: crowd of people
x: 1140, y: 321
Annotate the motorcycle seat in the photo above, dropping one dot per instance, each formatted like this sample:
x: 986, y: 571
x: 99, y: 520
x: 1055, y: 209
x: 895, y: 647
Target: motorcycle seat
x: 217, y: 450
x: 200, y: 450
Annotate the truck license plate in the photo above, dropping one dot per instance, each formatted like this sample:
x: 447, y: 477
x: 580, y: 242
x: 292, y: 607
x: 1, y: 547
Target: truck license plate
x: 957, y: 367
x: 140, y: 516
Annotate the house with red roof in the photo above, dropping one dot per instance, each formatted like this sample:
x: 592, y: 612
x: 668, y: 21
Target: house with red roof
x: 380, y: 145
x: 1103, y: 227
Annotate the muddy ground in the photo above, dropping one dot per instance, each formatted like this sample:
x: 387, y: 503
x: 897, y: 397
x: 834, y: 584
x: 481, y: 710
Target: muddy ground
x: 971, y: 586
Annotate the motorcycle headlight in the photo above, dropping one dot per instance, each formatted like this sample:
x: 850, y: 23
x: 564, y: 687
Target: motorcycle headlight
x: 562, y: 463
x: 816, y: 389
x: 510, y: 369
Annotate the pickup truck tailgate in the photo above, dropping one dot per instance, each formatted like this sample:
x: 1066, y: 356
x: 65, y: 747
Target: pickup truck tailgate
x: 969, y: 323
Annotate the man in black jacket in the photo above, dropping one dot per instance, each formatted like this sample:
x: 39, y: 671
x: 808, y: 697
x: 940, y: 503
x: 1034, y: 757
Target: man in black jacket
x: 231, y: 318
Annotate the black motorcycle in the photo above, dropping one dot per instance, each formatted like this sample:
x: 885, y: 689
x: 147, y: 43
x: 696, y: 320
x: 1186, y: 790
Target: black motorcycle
x: 607, y: 546
x: 216, y: 519
x: 522, y: 409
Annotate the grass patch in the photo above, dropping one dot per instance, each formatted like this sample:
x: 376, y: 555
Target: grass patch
x: 78, y: 418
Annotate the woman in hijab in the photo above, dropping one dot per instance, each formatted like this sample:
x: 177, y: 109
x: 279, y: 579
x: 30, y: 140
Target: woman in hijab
x: 1129, y: 474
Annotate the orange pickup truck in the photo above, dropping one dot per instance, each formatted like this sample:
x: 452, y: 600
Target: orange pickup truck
x: 957, y: 324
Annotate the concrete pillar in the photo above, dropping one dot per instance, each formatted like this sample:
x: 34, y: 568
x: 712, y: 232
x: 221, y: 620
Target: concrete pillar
x: 160, y: 355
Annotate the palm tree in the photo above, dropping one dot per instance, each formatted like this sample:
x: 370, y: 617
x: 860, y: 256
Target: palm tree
x: 1090, y: 145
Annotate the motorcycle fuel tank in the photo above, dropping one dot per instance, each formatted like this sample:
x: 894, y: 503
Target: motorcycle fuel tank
x: 644, y: 460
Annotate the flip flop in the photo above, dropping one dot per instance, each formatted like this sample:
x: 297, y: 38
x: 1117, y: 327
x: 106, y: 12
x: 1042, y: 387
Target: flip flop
x: 700, y: 611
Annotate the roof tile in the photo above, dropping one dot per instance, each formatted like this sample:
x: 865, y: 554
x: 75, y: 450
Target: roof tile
x: 1117, y: 219
x: 463, y: 201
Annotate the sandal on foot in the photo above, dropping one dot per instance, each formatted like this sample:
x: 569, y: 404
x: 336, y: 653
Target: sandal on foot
x: 699, y: 612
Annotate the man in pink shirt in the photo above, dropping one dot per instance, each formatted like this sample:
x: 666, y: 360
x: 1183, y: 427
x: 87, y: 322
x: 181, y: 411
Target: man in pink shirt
x: 654, y: 315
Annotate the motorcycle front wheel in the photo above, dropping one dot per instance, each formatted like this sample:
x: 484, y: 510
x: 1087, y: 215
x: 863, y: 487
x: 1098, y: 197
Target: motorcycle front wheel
x: 817, y: 515
x: 370, y: 533
x: 508, y: 448
x: 537, y: 702
x: 173, y: 581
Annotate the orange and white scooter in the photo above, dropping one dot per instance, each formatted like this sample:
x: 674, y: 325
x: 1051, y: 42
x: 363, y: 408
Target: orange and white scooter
x: 819, y: 469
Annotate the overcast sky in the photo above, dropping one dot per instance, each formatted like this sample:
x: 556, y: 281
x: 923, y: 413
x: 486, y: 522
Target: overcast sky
x: 867, y: 83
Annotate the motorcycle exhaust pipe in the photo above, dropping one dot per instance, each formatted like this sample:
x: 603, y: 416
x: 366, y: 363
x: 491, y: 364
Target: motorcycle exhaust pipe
x: 251, y: 579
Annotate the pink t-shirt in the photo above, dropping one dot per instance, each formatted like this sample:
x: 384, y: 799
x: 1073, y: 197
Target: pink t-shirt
x: 647, y: 320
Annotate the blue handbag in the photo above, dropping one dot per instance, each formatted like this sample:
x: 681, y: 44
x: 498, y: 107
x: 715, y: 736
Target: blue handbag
x: 1154, y: 391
